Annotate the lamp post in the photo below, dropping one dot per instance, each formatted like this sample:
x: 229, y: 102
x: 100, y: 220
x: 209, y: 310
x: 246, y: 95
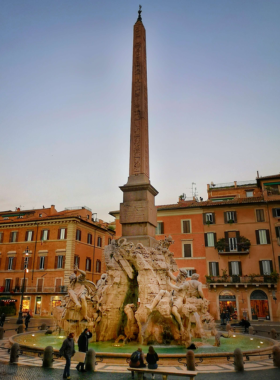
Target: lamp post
x: 26, y: 253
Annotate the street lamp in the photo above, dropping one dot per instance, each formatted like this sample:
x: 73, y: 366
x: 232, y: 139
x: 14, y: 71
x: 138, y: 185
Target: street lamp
x: 25, y: 264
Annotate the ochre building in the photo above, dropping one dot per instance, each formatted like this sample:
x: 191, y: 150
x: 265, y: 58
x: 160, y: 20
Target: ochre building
x: 55, y: 242
x: 233, y: 241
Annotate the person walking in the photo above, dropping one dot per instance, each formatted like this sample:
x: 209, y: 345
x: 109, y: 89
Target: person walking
x: 152, y: 359
x: 2, y: 319
x: 223, y: 316
x: 137, y: 361
x: 83, y: 347
x: 67, y: 350
x: 27, y: 320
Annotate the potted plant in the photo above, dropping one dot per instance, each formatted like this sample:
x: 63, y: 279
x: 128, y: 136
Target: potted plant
x: 221, y: 245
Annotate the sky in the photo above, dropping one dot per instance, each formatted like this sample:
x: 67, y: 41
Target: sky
x: 65, y: 97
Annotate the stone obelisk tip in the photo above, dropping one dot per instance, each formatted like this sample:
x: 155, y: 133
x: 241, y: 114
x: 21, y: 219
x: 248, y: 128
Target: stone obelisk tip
x: 139, y: 13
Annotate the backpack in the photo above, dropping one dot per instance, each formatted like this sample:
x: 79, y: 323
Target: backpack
x: 135, y: 357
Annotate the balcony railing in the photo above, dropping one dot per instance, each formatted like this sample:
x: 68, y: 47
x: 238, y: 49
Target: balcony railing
x: 235, y: 279
x: 234, y: 249
x: 40, y: 289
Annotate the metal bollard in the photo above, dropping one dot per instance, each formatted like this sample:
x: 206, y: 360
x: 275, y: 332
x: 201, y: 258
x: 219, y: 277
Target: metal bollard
x: 20, y: 329
x: 251, y: 330
x: 273, y: 334
x: 90, y: 360
x: 2, y: 333
x: 48, y: 357
x: 238, y: 360
x: 276, y: 356
x: 190, y: 361
x: 14, y: 353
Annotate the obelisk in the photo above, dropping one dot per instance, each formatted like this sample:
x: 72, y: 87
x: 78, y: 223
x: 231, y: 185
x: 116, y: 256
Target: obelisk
x: 138, y: 214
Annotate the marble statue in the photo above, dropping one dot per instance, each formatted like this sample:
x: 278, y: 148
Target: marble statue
x: 138, y: 298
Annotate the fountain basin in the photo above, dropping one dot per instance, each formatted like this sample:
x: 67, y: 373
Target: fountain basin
x: 168, y: 354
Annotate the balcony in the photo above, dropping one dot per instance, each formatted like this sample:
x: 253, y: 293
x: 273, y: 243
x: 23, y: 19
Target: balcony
x: 39, y: 289
x: 267, y: 280
x: 241, y: 248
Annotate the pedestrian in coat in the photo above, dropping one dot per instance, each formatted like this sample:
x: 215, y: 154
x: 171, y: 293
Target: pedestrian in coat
x: 2, y: 319
x: 83, y: 347
x: 67, y: 350
x: 27, y: 320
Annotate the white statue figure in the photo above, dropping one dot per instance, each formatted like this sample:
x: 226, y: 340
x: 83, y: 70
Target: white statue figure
x: 80, y: 290
x: 195, y: 287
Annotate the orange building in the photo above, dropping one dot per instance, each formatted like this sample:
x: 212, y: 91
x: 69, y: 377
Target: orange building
x: 233, y: 241
x: 56, y: 242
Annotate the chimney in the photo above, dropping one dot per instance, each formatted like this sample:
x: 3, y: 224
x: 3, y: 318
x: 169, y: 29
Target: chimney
x: 258, y: 174
x: 53, y: 210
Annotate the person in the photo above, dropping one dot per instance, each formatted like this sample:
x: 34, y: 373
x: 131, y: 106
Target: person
x: 227, y: 316
x: 2, y: 320
x: 246, y: 324
x: 223, y: 315
x: 27, y: 320
x: 83, y: 347
x: 137, y: 360
x: 152, y: 359
x: 67, y: 350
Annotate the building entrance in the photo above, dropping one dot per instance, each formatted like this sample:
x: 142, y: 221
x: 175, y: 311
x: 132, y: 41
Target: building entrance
x: 259, y: 305
x: 227, y: 302
x: 25, y: 304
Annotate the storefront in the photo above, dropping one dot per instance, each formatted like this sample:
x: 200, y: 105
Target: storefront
x: 26, y: 304
x: 56, y: 301
x: 227, y: 301
x: 38, y: 305
x: 259, y: 305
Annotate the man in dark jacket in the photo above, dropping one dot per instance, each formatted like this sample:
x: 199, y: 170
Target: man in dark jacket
x: 67, y: 350
x: 2, y: 320
x: 27, y: 320
x: 83, y: 346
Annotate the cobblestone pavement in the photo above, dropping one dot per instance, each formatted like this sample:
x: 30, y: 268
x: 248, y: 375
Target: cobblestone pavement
x: 14, y: 372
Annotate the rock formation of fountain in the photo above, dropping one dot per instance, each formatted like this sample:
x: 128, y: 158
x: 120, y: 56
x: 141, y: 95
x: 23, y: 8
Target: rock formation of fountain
x: 135, y: 299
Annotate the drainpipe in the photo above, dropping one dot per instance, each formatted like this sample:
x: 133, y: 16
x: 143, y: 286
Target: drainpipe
x: 270, y: 234
x: 93, y: 254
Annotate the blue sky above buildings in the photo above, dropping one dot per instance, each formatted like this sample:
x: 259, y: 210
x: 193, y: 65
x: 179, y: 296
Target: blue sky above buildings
x: 65, y: 95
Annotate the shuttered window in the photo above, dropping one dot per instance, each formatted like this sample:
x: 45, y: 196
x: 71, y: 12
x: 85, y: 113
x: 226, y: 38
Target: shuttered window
x: 160, y: 228
x: 78, y: 235
x: 266, y: 267
x: 214, y: 269
x: 210, y: 239
x: 62, y: 233
x: 88, y: 264
x: 7, y: 284
x: 276, y: 212
x: 99, y: 242
x: 277, y: 231
x: 44, y: 235
x: 29, y: 236
x: 1, y: 237
x: 262, y: 237
x: 230, y: 217
x: 10, y: 264
x: 260, y: 215
x: 187, y: 250
x: 13, y: 237
x: 59, y: 262
x: 186, y: 226
x: 89, y: 238
x: 235, y: 268
x: 42, y: 262
x: 98, y: 266
x: 77, y: 261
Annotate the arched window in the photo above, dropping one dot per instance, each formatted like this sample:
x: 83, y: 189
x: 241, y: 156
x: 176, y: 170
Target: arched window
x: 259, y: 305
x: 98, y: 266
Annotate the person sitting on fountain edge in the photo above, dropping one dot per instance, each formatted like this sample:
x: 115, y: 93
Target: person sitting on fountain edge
x: 83, y: 347
x: 152, y: 359
x: 137, y: 360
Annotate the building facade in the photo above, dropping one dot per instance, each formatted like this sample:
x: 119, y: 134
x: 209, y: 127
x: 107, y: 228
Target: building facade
x: 233, y: 241
x: 56, y: 242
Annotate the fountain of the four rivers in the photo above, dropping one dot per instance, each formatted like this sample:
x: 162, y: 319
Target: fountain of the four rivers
x: 139, y: 300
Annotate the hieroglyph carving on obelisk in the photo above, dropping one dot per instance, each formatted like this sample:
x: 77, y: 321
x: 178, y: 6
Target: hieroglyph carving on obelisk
x: 139, y: 137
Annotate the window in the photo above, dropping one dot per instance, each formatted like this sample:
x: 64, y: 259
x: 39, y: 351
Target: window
x: 10, y: 263
x: 214, y: 269
x: 42, y: 262
x: 232, y: 242
x: 59, y: 262
x: 210, y: 239
x: 230, y: 217
x: 13, y: 237
x: 88, y: 264
x: 186, y: 226
x: 235, y: 268
x: 62, y: 233
x: 76, y: 261
x: 276, y: 212
x: 89, y: 238
x: 29, y: 236
x: 98, y: 266
x: 8, y: 284
x: 99, y: 242
x: 1, y: 237
x: 262, y: 237
x: 277, y: 231
x: 187, y: 250
x: 160, y: 228
x: 40, y: 215
x: 40, y: 282
x: 44, y: 235
x: 260, y: 215
x: 249, y: 194
x: 78, y: 235
x: 209, y: 218
x: 109, y: 240
x: 266, y: 267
